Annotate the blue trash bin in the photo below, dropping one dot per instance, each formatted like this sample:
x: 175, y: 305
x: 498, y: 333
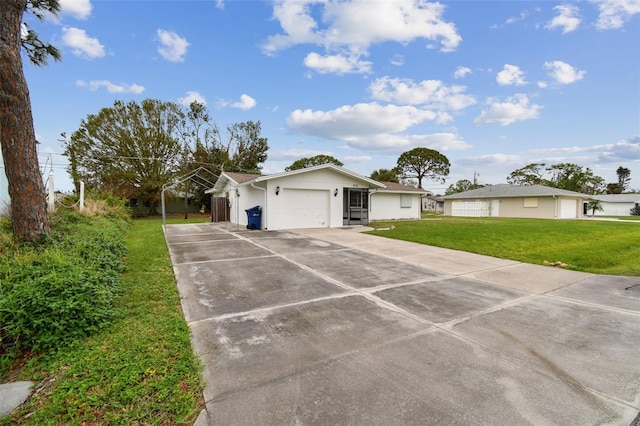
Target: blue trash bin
x: 254, y: 214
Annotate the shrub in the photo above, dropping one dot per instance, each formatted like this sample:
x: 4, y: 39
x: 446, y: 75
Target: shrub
x: 635, y: 211
x: 62, y: 289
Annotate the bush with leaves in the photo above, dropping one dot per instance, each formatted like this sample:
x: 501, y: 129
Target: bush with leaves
x: 635, y: 211
x: 64, y: 288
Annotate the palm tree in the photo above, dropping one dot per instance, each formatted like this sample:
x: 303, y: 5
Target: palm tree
x: 594, y: 205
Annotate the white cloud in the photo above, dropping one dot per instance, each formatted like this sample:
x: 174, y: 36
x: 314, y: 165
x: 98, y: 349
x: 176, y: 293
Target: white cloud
x: 81, y: 44
x: 338, y: 64
x: 542, y: 84
x: 523, y: 15
x: 79, y: 9
x: 172, y: 47
x: 511, y: 75
x: 294, y: 154
x: 514, y: 109
x: 220, y: 4
x: 192, y: 96
x: 568, y: 18
x: 614, y: 13
x: 358, y: 159
x: 246, y: 102
x: 430, y: 93
x: 622, y: 151
x: 354, y: 25
x: 563, y: 73
x: 358, y: 120
x: 94, y: 85
x: 461, y: 72
x: 397, y: 60
x: 373, y: 127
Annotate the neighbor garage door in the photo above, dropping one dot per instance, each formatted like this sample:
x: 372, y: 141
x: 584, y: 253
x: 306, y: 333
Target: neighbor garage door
x: 568, y: 209
x: 306, y: 208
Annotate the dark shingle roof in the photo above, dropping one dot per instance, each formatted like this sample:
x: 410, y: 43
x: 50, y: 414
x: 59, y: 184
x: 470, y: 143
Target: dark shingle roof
x: 394, y: 186
x: 242, y: 177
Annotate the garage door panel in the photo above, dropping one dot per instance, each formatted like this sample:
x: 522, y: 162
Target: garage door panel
x: 306, y: 208
x: 568, y: 209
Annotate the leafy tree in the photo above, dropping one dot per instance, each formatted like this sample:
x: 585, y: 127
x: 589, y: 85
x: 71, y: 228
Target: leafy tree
x: 129, y: 149
x: 246, y: 148
x: 421, y: 163
x: 614, y: 188
x: 386, y: 175
x: 316, y: 160
x: 572, y: 177
x: 594, y: 205
x: 624, y: 177
x: 564, y: 176
x: 30, y: 220
x: 460, y: 186
x: 531, y: 174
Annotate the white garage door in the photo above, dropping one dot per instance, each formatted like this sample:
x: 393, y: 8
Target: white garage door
x: 568, y: 209
x: 306, y: 208
x: 470, y: 208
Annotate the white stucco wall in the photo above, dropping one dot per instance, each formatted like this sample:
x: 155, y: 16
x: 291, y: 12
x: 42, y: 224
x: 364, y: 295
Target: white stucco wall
x: 614, y: 209
x: 387, y: 206
x: 324, y: 180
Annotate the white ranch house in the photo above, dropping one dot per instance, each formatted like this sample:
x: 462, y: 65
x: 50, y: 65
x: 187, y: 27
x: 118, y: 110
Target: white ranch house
x: 524, y: 201
x: 615, y: 204
x: 325, y: 196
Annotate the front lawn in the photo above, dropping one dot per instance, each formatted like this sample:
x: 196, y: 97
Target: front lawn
x: 601, y: 247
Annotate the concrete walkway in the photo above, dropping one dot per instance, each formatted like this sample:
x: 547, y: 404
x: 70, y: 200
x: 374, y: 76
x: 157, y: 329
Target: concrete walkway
x: 332, y: 326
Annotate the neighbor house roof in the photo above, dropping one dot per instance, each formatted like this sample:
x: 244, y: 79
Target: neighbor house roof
x: 398, y: 187
x: 618, y: 198
x: 505, y: 190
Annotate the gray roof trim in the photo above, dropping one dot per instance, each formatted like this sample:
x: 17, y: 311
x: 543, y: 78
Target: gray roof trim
x: 618, y: 198
x: 505, y: 191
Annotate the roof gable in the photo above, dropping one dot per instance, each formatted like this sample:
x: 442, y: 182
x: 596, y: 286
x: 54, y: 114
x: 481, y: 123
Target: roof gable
x: 329, y: 166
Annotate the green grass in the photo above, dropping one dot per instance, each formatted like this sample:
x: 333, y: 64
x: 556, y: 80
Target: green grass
x: 601, y: 247
x: 141, y: 370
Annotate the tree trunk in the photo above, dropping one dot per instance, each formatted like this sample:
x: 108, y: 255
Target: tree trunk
x: 17, y: 136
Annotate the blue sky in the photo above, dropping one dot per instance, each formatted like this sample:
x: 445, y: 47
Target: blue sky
x: 493, y: 85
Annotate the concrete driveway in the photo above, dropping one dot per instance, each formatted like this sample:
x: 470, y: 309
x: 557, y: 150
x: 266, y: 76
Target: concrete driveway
x: 334, y: 327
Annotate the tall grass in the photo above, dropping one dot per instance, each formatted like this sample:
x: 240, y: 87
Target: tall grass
x: 140, y: 369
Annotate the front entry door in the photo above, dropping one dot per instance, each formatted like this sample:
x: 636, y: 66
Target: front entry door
x: 355, y: 206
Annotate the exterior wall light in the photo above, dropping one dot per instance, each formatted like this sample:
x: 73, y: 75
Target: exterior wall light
x: 277, y: 190
x: 335, y: 193
x: 237, y: 192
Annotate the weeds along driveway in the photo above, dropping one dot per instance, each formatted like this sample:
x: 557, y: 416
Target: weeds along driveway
x: 327, y: 327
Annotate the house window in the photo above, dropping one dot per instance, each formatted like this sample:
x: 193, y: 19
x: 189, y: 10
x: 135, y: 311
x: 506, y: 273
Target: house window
x: 530, y: 202
x: 405, y: 201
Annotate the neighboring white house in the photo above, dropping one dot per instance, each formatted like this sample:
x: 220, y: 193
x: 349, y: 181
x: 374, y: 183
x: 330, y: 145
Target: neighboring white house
x: 615, y: 204
x: 526, y: 201
x: 325, y: 196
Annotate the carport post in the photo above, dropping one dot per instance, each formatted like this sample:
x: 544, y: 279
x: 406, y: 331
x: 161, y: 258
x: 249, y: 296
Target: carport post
x: 164, y: 213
